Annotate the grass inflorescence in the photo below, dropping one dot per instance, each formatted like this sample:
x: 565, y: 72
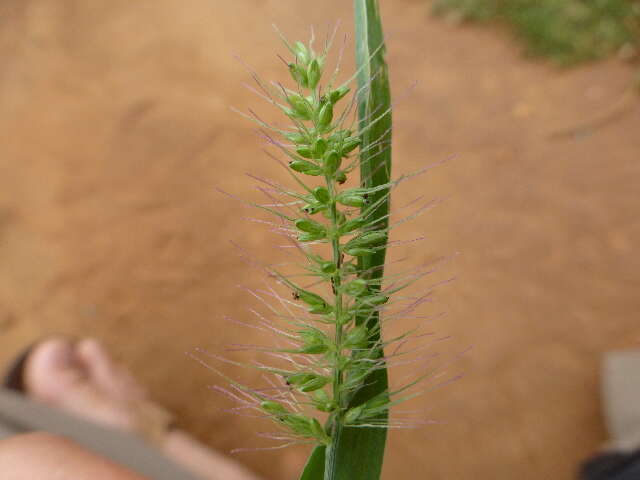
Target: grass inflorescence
x: 326, y: 346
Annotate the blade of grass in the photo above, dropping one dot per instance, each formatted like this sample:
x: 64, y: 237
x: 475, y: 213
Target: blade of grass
x: 314, y: 469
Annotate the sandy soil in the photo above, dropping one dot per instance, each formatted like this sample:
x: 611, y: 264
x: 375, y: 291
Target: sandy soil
x: 115, y: 128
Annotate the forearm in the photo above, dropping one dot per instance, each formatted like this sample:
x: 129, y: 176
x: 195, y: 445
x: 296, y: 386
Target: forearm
x: 44, y: 456
x: 207, y: 463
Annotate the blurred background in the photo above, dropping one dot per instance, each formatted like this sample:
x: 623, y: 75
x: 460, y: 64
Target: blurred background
x: 115, y: 129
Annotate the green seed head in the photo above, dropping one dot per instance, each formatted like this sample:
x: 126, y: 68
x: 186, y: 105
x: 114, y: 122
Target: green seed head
x: 314, y: 73
x: 313, y: 342
x: 311, y: 237
x: 345, y: 318
x: 305, y: 167
x: 351, y: 200
x: 305, y: 151
x: 328, y: 267
x: 299, y: 378
x: 368, y: 239
x: 378, y: 402
x: 349, y: 269
x: 349, y: 145
x: 302, y: 52
x: 302, y: 110
x: 322, y: 194
x: 352, y: 415
x: 297, y: 137
x: 313, y: 208
x: 314, y: 384
x: 319, y: 147
x: 325, y: 117
x: 374, y: 300
x: 340, y: 135
x: 340, y: 351
x: 356, y: 287
x: 310, y: 226
x: 332, y: 162
x: 310, y: 298
x: 318, y: 432
x: 314, y: 350
x: 299, y: 74
x: 300, y: 424
x: 273, y: 408
x: 351, y: 225
x: 357, y: 337
x: 336, y: 95
x: 322, y: 402
x: 321, y: 310
x: 307, y: 382
x: 359, y: 251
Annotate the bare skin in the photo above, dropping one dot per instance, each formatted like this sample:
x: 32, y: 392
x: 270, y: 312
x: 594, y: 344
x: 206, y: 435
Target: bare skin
x: 82, y: 379
x: 41, y: 456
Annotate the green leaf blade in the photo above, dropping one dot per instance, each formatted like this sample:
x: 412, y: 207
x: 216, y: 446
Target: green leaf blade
x: 314, y: 469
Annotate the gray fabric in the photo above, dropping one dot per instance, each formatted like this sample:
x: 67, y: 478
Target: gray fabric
x: 621, y: 398
x: 5, y: 431
x: 20, y: 415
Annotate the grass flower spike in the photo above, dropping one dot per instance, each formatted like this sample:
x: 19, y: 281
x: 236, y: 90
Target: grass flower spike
x: 327, y: 381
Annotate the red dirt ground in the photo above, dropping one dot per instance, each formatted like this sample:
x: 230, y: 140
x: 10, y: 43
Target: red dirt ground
x: 115, y: 129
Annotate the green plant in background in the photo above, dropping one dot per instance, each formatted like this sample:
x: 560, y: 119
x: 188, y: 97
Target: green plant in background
x: 328, y: 385
x: 567, y: 31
